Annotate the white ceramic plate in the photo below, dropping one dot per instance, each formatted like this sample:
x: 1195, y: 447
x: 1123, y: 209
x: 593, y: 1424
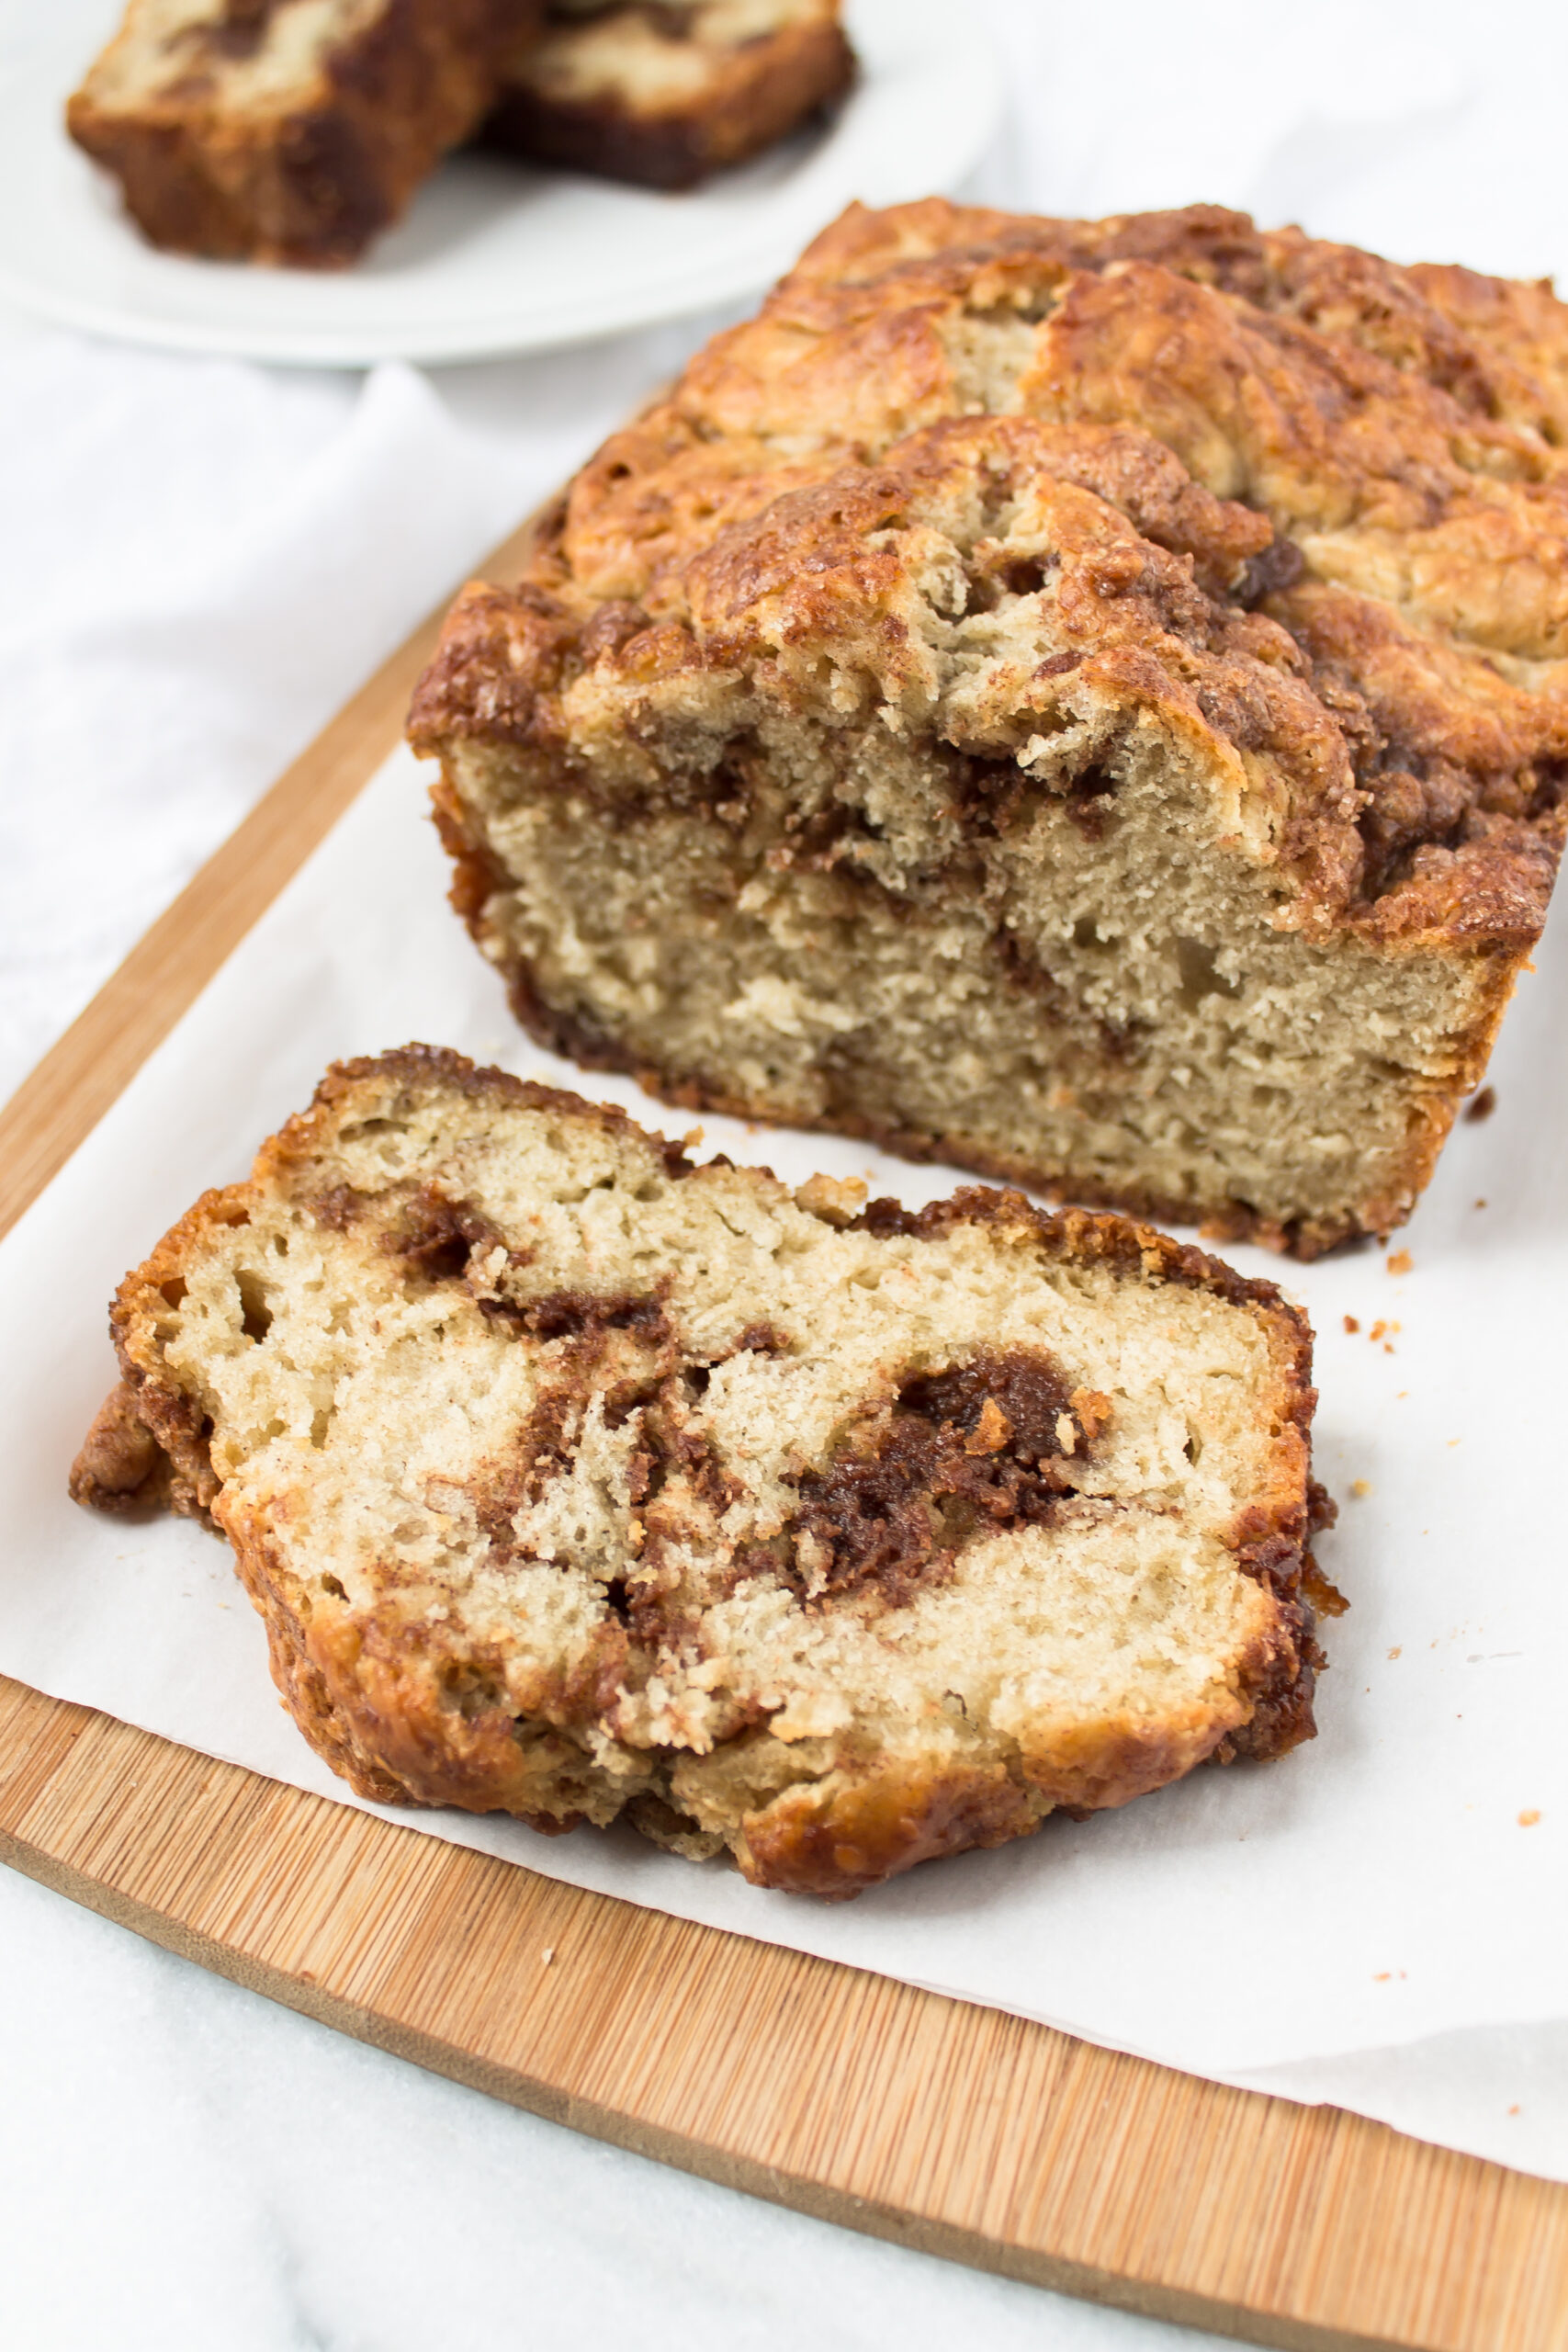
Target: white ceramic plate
x: 493, y: 258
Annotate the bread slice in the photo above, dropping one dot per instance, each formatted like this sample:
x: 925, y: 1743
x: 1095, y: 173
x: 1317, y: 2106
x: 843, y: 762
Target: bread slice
x: 666, y: 94
x: 574, y: 1481
x: 1087, y: 700
x: 288, y: 130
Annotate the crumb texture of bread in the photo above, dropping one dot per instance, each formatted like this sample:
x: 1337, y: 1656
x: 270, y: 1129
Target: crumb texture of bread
x: 1087, y: 700
x: 577, y: 1482
x: 667, y: 94
x: 288, y: 131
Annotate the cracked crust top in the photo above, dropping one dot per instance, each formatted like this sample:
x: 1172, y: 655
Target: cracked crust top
x: 1309, y: 506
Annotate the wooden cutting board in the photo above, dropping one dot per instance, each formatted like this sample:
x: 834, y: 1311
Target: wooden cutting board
x: 944, y: 2126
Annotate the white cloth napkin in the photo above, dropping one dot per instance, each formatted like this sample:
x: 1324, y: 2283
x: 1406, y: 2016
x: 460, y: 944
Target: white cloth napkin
x: 203, y: 559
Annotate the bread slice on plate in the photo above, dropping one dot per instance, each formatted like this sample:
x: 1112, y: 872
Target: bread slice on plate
x: 1088, y: 700
x: 667, y: 92
x: 288, y: 130
x: 577, y: 1482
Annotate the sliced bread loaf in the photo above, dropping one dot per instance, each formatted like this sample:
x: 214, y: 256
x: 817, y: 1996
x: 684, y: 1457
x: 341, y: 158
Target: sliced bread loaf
x: 1088, y: 700
x: 576, y: 1482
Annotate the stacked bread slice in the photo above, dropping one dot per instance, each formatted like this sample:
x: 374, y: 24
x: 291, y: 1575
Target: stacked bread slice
x: 669, y: 93
x: 289, y: 131
x: 293, y: 131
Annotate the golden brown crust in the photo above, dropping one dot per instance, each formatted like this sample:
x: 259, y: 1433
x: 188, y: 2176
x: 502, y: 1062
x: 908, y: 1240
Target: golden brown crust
x: 752, y: 94
x: 323, y: 1705
x: 834, y: 1838
x: 412, y: 1707
x: 309, y: 183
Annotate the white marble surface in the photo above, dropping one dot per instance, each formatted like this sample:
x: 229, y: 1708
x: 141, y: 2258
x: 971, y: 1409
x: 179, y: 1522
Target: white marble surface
x: 182, y: 2164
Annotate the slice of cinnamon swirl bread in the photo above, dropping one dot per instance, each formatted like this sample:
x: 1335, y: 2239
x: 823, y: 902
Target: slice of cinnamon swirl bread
x: 288, y: 130
x: 666, y: 92
x: 575, y: 1481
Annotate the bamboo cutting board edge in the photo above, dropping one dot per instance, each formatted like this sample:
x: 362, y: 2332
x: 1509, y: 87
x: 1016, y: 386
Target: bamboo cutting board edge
x: 1341, y: 2232
x: 94, y: 1756
x: 659, y: 2145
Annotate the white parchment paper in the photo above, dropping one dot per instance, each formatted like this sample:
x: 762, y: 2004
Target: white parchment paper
x: 1379, y: 1919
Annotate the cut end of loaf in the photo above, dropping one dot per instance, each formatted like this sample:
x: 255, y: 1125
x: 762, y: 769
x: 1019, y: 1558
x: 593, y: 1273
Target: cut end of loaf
x: 577, y: 1482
